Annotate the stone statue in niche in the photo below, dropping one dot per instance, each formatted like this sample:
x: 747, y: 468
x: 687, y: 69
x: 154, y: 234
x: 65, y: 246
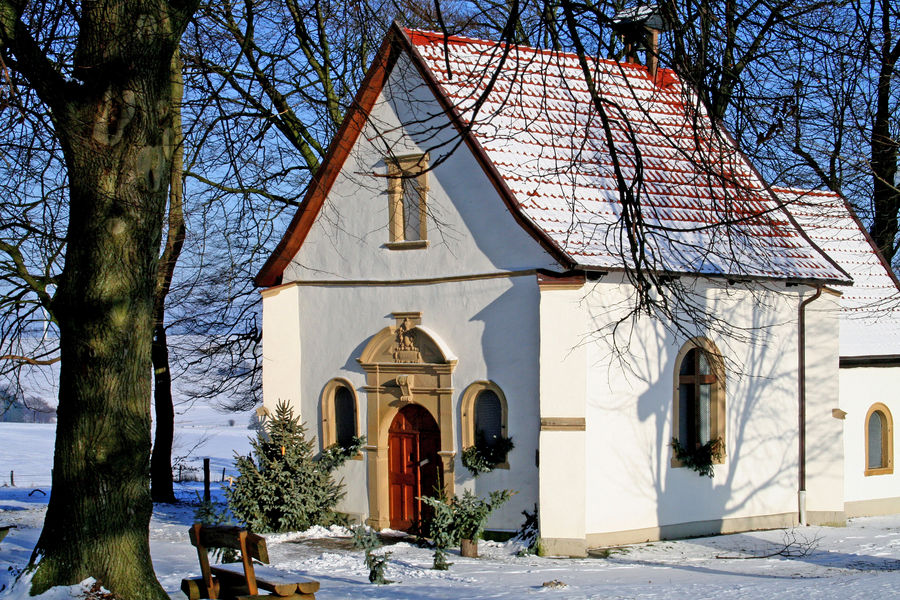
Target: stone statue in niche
x: 405, y: 348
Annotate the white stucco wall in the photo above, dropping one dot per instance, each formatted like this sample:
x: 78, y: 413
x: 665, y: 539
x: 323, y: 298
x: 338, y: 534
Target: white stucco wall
x: 861, y: 387
x: 281, y: 352
x: 628, y: 402
x: 564, y: 365
x: 824, y: 432
x: 481, y: 297
x: 473, y: 233
x: 490, y: 325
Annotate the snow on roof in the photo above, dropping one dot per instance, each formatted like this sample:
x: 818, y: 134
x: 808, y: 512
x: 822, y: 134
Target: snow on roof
x: 538, y: 127
x: 870, y: 308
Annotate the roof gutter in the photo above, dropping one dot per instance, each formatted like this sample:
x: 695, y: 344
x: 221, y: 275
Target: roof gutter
x: 801, y: 386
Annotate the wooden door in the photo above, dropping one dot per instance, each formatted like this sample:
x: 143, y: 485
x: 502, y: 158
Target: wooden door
x: 414, y: 466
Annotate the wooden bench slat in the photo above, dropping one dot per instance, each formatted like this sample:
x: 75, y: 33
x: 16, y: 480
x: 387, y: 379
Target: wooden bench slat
x: 221, y: 536
x: 232, y: 582
x: 279, y: 582
x: 195, y: 588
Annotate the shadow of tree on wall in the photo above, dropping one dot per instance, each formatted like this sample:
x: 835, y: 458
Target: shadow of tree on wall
x: 759, y: 476
x: 510, y: 347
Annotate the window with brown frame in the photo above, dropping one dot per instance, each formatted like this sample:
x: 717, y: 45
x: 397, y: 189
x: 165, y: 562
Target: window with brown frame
x: 407, y: 198
x: 879, y: 440
x: 339, y: 414
x: 699, y: 406
x: 484, y: 415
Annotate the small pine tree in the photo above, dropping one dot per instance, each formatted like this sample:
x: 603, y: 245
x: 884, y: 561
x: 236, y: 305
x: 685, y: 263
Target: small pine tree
x: 366, y: 539
x: 441, y: 529
x: 463, y: 517
x: 280, y: 486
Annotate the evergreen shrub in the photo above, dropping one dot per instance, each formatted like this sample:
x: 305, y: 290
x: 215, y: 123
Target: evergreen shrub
x: 702, y: 458
x: 529, y: 532
x: 484, y: 457
x: 464, y: 517
x: 366, y: 539
x: 281, y: 486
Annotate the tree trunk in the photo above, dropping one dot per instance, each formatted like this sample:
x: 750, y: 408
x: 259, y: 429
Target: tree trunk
x: 886, y: 196
x: 161, y: 489
x: 116, y: 130
x: 99, y: 510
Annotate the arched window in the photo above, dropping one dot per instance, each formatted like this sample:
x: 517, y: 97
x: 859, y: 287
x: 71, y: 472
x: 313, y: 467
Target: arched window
x: 879, y: 441
x: 699, y: 404
x: 339, y: 413
x: 484, y: 416
x: 344, y: 416
x: 488, y: 417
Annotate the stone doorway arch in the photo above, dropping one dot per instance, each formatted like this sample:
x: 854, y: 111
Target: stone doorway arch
x: 405, y: 364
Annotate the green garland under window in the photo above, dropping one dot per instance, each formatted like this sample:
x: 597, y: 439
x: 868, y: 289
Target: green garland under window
x: 483, y: 458
x: 702, y: 458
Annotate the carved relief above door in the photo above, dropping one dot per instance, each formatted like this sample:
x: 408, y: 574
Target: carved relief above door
x: 408, y: 370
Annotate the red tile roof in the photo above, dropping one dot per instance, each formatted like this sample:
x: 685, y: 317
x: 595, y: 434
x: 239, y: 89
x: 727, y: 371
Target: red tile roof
x: 870, y: 319
x: 541, y: 143
x: 538, y: 127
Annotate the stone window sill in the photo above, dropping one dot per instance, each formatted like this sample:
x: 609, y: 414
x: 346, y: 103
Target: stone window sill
x: 880, y: 471
x: 407, y: 245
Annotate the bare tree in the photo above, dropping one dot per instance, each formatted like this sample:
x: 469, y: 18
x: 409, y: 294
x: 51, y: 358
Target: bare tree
x: 267, y: 88
x: 817, y: 105
x: 161, y: 489
x: 101, y: 70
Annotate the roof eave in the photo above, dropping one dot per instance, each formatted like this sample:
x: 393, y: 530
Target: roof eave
x: 730, y: 277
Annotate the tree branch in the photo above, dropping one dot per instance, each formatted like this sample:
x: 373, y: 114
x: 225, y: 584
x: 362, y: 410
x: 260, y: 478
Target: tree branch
x: 31, y: 61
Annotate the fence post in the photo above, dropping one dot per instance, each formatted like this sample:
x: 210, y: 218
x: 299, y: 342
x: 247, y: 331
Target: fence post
x: 206, y: 496
x: 223, y: 474
x: 12, y: 479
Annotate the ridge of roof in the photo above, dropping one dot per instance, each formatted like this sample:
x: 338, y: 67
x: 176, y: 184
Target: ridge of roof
x: 437, y: 36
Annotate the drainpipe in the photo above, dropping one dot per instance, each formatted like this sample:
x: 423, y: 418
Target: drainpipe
x: 801, y: 385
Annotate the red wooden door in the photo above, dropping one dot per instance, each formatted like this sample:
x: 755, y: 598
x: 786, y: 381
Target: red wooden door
x: 414, y: 466
x: 402, y: 450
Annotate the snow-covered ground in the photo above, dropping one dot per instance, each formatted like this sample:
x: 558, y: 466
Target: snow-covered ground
x: 26, y: 449
x: 861, y: 560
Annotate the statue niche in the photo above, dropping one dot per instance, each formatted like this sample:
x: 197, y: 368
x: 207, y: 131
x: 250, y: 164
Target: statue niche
x: 406, y: 342
x: 405, y: 348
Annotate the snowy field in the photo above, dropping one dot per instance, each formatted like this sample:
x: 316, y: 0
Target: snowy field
x: 858, y: 561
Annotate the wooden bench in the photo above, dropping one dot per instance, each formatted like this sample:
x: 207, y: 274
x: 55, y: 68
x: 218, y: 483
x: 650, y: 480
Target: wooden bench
x: 240, y: 581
